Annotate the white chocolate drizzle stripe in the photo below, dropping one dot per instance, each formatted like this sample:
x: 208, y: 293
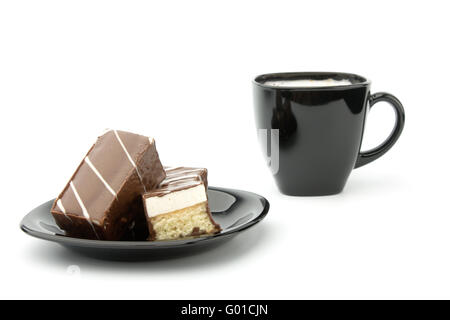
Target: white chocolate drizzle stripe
x: 182, y: 169
x: 107, y: 186
x: 83, y: 208
x: 61, y: 207
x: 129, y: 158
x: 181, y: 177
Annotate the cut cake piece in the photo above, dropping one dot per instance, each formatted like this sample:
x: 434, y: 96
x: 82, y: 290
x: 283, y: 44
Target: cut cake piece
x: 179, y: 208
x: 116, y: 171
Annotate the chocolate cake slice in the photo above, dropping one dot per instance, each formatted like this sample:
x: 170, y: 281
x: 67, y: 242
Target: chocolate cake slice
x: 179, y: 208
x: 97, y: 201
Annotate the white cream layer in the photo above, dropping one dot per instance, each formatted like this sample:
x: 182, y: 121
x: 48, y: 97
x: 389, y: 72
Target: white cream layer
x: 175, y: 200
x: 307, y: 83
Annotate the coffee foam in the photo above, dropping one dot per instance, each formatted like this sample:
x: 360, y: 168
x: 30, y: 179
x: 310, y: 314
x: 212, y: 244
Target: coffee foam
x: 307, y: 83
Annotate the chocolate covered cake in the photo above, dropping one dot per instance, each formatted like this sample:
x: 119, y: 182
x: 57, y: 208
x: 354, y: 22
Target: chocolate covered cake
x: 98, y: 201
x: 179, y: 208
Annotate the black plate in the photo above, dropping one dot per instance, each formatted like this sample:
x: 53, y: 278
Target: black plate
x: 234, y: 210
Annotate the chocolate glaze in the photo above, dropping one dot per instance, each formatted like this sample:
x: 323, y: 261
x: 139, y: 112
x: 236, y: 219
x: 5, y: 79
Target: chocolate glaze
x: 129, y: 164
x: 138, y: 229
x: 180, y: 178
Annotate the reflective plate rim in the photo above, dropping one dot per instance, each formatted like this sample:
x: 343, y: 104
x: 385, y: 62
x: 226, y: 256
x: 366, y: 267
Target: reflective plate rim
x: 29, y: 220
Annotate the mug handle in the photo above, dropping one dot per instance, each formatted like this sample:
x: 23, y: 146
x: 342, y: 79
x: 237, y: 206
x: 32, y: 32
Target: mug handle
x: 366, y: 157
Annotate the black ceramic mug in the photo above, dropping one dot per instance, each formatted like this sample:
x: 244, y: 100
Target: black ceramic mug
x: 311, y: 124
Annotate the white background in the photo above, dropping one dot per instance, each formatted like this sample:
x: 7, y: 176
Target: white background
x: 181, y: 72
